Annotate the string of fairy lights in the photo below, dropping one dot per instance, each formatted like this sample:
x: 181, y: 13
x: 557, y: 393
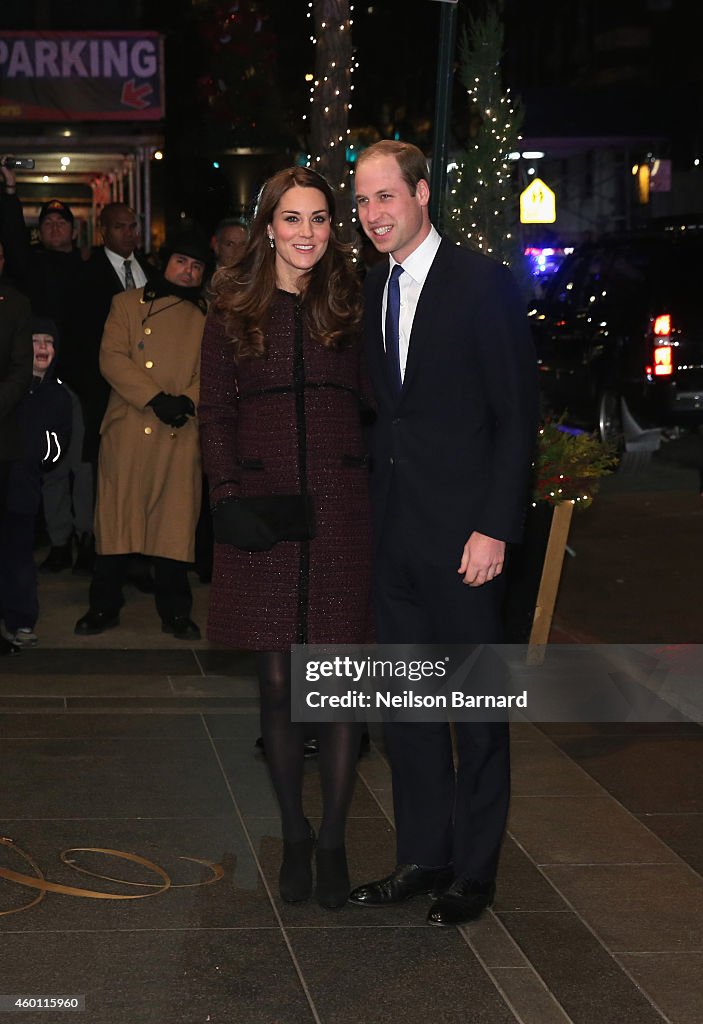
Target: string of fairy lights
x: 482, y: 184
x: 328, y: 90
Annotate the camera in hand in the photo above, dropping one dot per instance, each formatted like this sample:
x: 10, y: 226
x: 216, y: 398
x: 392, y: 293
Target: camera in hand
x: 18, y: 163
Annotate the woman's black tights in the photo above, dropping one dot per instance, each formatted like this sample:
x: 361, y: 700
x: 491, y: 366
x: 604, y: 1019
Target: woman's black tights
x: 283, y: 742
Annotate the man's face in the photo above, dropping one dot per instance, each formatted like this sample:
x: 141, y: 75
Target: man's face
x: 121, y: 231
x: 230, y: 246
x: 184, y: 271
x: 395, y: 221
x: 43, y: 353
x: 56, y: 233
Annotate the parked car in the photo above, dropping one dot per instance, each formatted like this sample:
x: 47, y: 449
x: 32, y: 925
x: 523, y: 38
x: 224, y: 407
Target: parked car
x: 619, y: 335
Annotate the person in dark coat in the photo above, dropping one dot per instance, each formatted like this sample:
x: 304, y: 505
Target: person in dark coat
x: 280, y: 413
x: 44, y: 418
x: 455, y: 378
x: 15, y: 377
x: 48, y: 274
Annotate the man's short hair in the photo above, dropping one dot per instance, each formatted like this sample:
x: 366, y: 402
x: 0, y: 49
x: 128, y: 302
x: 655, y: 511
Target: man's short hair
x: 410, y: 160
x: 230, y: 222
x: 110, y: 208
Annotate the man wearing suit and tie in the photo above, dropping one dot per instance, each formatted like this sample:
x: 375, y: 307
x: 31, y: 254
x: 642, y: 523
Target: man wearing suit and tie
x: 454, y: 374
x: 114, y: 267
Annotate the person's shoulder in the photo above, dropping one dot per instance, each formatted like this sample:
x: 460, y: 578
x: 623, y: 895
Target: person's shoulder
x: 14, y: 298
x: 482, y: 268
x: 96, y: 266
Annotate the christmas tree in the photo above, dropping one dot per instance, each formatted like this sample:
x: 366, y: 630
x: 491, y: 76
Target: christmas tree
x: 484, y: 194
x: 330, y: 102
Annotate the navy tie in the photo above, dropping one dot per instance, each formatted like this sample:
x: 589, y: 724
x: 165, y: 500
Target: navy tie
x: 393, y: 330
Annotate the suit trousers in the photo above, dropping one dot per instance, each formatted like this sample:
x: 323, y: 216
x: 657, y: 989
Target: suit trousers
x: 171, y: 587
x: 444, y: 815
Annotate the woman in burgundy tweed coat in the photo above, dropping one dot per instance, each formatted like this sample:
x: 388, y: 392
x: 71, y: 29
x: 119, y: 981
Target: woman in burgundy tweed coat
x: 280, y: 413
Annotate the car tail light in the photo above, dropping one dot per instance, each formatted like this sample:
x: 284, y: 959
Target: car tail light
x: 662, y: 325
x: 662, y: 348
x: 663, y: 362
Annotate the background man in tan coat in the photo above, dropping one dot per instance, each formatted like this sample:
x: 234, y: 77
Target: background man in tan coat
x: 149, y: 473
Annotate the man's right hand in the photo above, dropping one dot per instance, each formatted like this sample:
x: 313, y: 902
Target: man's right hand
x: 9, y: 176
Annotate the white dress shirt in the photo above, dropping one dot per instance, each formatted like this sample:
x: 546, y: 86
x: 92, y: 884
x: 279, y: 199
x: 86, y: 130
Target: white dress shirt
x: 416, y: 267
x: 118, y: 264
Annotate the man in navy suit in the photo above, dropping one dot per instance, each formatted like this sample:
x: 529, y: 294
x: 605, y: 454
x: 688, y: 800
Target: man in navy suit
x: 454, y: 375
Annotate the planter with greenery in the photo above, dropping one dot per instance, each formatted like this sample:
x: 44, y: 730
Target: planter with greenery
x: 569, y: 465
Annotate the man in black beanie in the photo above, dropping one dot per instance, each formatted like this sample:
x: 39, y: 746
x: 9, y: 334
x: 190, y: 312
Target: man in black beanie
x: 149, y: 472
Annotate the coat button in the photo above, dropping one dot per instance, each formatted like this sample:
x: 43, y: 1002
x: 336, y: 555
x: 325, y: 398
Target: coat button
x: 147, y: 330
x: 391, y: 460
x: 149, y: 363
x: 147, y: 430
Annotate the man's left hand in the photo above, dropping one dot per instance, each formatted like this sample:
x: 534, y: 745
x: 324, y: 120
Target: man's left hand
x: 482, y: 559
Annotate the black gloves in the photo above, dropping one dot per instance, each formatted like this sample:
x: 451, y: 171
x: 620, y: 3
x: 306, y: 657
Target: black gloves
x: 173, y: 410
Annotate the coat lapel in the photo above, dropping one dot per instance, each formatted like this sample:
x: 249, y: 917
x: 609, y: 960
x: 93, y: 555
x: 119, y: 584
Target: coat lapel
x: 376, y: 354
x: 425, y: 320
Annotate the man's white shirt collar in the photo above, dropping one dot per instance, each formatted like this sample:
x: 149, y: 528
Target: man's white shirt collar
x: 118, y: 263
x: 418, y: 263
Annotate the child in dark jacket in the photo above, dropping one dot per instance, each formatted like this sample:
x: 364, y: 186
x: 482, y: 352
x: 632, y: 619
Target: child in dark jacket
x: 45, y: 430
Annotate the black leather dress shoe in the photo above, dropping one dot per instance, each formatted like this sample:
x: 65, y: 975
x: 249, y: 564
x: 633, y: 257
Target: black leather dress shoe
x: 463, y: 901
x: 181, y: 627
x: 406, y: 881
x: 96, y: 622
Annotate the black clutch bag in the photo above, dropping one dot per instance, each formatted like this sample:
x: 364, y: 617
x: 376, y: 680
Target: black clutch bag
x: 256, y: 524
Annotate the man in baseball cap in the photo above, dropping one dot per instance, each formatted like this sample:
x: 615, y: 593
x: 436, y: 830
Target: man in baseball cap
x: 56, y: 228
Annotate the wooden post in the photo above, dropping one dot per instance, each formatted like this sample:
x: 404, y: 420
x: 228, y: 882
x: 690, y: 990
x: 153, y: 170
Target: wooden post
x: 549, y: 583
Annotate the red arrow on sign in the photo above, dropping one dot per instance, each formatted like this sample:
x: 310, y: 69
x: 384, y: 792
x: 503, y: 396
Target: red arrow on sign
x: 134, y: 95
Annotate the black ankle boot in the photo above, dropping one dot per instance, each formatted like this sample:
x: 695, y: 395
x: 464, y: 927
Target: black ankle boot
x: 332, y: 885
x: 295, y: 876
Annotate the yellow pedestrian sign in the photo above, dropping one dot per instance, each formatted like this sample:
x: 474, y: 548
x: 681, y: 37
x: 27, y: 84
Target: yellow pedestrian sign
x: 538, y: 204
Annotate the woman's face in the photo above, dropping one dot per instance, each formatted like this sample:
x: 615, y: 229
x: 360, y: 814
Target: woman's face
x: 300, y: 229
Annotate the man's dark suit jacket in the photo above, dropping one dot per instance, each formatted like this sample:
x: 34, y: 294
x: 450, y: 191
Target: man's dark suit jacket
x: 98, y: 284
x: 457, y: 443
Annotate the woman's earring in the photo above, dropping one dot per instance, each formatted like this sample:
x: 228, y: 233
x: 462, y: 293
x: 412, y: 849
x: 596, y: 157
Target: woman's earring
x: 271, y: 242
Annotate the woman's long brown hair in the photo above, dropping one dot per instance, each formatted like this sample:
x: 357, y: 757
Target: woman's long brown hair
x: 330, y: 291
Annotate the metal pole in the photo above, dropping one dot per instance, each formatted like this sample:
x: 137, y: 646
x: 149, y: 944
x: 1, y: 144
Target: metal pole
x: 138, y: 183
x: 443, y: 106
x: 147, y: 199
